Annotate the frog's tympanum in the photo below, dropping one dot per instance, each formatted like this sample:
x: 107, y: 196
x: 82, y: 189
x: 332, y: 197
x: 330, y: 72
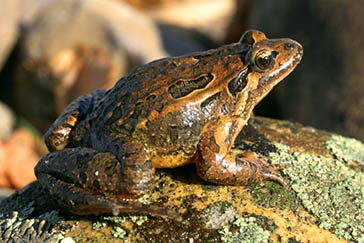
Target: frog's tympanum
x: 105, y: 147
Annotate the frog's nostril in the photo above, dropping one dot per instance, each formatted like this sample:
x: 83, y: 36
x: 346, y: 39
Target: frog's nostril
x: 299, y: 50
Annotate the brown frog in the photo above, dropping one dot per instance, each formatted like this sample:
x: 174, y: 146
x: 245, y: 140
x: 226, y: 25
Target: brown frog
x: 105, y: 147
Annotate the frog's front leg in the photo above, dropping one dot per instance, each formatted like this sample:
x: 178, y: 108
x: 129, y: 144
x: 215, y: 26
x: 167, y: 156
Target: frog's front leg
x: 57, y: 136
x: 87, y: 181
x: 217, y: 162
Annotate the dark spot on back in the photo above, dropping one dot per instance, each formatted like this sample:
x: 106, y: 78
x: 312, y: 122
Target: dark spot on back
x: 96, y: 184
x: 210, y: 100
x: 238, y: 83
x: 173, y: 132
x: 109, y: 170
x: 183, y: 88
x: 83, y: 177
x: 146, y: 166
x: 155, y: 102
x: 151, y: 98
x: 130, y: 123
x: 116, y: 114
x: 139, y: 107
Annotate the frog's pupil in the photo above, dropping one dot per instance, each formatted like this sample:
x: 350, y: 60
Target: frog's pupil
x: 265, y: 60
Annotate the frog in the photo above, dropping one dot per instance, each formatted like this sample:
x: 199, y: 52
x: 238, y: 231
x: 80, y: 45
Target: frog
x: 105, y: 147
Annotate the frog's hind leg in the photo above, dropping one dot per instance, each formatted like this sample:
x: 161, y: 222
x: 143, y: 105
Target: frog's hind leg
x: 87, y: 181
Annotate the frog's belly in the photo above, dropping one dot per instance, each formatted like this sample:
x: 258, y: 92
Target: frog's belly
x: 170, y: 161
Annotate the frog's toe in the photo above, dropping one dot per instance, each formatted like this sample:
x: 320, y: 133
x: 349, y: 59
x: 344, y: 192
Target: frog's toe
x: 281, y: 166
x: 136, y: 207
x: 275, y: 177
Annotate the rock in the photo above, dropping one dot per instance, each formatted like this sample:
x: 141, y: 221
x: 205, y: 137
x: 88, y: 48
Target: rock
x: 8, y: 28
x: 7, y: 121
x: 73, y: 47
x: 326, y: 90
x: 324, y: 171
x: 5, y: 192
x: 238, y: 23
x: 13, y: 14
x: 210, y: 17
x: 18, y: 156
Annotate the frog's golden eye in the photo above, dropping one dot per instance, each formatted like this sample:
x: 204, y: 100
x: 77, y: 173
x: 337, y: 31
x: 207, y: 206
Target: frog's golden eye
x: 264, y: 60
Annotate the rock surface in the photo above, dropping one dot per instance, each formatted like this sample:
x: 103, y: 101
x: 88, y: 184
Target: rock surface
x: 73, y: 47
x: 210, y: 17
x: 7, y: 121
x: 325, y: 172
x: 15, y: 13
x: 18, y: 156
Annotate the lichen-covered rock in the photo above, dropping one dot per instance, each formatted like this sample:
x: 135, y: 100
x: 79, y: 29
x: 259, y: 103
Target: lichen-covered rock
x: 322, y: 203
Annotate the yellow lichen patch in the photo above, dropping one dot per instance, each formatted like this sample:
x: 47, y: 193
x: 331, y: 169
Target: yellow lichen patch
x: 297, y: 224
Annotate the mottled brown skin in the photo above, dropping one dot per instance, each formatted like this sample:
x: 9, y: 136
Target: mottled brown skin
x: 170, y: 112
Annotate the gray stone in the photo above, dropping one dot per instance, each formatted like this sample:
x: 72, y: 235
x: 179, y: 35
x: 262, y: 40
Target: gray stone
x: 7, y: 121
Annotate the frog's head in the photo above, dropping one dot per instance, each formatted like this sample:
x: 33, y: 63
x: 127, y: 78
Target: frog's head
x: 268, y: 62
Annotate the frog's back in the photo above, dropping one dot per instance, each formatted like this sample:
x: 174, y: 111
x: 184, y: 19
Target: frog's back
x: 152, y: 87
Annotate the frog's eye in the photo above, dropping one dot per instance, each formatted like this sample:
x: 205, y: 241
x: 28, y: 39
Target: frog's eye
x: 264, y: 60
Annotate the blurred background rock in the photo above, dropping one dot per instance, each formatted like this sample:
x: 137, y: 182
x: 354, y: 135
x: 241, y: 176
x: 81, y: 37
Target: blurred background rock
x: 327, y: 89
x: 52, y: 51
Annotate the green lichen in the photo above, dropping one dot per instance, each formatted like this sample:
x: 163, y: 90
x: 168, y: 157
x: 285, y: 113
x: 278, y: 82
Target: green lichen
x: 232, y: 227
x: 16, y: 225
x: 98, y: 225
x: 145, y: 199
x: 272, y: 195
x: 328, y: 188
x: 138, y: 220
x: 346, y: 149
x: 67, y: 240
x: 219, y: 214
x: 115, y: 219
x: 117, y: 222
x: 118, y: 232
x: 244, y: 229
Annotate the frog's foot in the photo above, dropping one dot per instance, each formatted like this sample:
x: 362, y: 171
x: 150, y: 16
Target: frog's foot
x: 236, y: 168
x: 264, y: 169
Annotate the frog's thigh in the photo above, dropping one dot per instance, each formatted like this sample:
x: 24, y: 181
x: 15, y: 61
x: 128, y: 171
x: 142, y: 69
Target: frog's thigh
x: 83, y: 179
